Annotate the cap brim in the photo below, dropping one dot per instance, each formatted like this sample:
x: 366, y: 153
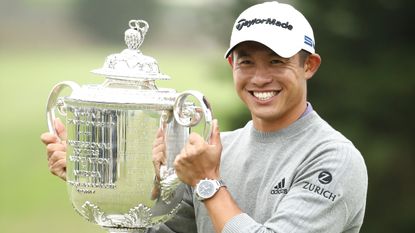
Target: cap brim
x: 274, y: 45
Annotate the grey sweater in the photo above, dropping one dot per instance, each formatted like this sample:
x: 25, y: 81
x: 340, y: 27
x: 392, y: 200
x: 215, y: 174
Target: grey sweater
x: 304, y: 178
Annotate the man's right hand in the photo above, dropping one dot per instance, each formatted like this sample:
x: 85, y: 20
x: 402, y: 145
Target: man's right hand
x: 56, y: 149
x: 159, y: 159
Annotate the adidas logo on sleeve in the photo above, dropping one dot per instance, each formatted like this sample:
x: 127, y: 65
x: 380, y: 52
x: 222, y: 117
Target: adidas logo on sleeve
x: 280, y: 188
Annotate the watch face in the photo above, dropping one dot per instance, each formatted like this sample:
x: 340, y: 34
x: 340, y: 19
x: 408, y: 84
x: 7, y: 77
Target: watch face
x: 206, y: 189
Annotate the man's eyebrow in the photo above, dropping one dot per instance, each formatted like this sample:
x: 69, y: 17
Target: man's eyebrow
x: 241, y: 53
x: 274, y: 54
x: 244, y: 53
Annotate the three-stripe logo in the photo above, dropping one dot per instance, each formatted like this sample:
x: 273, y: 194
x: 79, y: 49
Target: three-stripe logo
x: 280, y: 188
x: 280, y: 184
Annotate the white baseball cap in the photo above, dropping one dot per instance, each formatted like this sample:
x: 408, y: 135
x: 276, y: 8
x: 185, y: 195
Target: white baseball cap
x: 278, y: 26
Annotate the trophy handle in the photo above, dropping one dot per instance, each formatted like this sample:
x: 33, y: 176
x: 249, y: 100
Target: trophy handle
x: 55, y: 103
x: 189, y: 115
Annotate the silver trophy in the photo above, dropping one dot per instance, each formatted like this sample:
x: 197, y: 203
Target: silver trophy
x: 111, y: 128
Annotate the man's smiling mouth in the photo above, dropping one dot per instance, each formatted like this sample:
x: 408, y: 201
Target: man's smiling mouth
x: 264, y: 95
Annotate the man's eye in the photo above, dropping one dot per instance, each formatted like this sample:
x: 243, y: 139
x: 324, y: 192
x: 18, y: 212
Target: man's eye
x: 244, y: 62
x: 276, y: 61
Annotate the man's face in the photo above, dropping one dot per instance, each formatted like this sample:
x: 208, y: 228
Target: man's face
x: 272, y: 87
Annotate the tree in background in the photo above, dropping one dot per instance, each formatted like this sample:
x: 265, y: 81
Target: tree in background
x: 365, y: 89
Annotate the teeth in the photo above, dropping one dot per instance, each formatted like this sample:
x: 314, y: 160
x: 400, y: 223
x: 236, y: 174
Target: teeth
x: 264, y: 95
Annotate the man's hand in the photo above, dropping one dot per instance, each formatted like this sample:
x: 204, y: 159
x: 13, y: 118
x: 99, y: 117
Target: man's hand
x: 159, y: 159
x: 200, y: 159
x: 56, y: 149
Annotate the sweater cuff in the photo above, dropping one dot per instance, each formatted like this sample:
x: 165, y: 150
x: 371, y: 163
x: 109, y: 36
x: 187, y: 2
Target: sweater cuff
x: 235, y: 224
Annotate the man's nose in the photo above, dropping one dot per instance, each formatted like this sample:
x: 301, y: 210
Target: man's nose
x: 261, y: 77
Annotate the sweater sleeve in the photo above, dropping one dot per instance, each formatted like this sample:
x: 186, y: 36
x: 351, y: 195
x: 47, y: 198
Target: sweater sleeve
x: 183, y: 221
x: 327, y: 194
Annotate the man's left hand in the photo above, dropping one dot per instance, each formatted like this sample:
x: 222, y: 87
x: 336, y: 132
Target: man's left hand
x: 200, y: 159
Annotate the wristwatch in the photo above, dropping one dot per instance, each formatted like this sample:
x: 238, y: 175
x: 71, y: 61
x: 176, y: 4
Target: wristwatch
x: 207, y: 188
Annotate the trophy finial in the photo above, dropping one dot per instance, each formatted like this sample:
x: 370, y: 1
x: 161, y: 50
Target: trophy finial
x: 131, y: 63
x: 134, y: 36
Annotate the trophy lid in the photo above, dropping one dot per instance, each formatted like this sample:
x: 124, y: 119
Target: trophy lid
x: 131, y: 63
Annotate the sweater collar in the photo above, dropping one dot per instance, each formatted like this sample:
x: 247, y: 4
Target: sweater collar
x: 292, y: 130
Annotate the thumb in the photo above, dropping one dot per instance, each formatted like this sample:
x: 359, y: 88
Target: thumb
x: 160, y: 132
x: 60, y: 129
x: 215, y: 137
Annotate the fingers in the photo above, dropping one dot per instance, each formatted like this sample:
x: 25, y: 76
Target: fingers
x: 159, y: 156
x: 60, y: 129
x: 196, y: 143
x: 194, y: 146
x: 199, y: 159
x: 159, y: 138
x: 160, y: 133
x: 159, y: 160
x: 159, y: 152
x: 57, y: 164
x: 215, y: 137
x: 155, y: 192
x: 55, y: 147
x: 196, y: 139
x: 48, y: 138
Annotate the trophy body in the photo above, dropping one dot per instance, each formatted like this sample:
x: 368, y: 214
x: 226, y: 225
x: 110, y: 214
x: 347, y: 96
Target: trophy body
x: 111, y: 128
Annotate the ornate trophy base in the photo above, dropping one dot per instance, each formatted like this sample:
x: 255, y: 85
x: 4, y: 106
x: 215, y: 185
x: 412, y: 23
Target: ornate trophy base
x: 137, y: 220
x: 125, y: 230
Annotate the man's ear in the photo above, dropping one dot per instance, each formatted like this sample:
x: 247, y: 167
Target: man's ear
x: 311, y: 65
x: 230, y: 60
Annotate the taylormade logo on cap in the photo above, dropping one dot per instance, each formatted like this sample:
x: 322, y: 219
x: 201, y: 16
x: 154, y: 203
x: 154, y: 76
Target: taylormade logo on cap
x: 278, y: 26
x: 247, y: 23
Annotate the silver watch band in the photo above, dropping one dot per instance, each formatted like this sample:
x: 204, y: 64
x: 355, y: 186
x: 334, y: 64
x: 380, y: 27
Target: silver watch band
x: 221, y: 183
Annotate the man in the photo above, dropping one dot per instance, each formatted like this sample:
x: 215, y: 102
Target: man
x: 287, y: 170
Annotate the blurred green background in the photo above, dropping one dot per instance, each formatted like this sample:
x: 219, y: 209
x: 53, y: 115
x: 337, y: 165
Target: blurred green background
x: 364, y: 88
